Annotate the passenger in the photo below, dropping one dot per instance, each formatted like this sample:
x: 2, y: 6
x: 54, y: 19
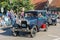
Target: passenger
x: 40, y: 15
x: 8, y: 14
x: 3, y: 22
x: 12, y: 17
x: 22, y: 13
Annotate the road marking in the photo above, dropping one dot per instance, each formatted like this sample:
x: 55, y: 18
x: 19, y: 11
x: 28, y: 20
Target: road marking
x: 52, y: 36
x: 57, y: 39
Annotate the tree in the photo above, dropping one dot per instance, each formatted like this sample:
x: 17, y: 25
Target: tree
x: 23, y: 4
x: 16, y: 4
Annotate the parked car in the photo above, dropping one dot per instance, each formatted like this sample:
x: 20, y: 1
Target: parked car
x: 32, y: 22
x: 52, y: 19
x: 58, y: 16
x: 7, y: 20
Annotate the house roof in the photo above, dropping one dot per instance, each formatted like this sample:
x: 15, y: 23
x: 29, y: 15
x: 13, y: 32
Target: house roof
x: 55, y: 3
x: 39, y: 4
x: 38, y: 1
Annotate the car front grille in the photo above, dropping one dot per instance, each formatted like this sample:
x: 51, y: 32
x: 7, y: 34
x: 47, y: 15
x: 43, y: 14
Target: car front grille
x: 24, y: 24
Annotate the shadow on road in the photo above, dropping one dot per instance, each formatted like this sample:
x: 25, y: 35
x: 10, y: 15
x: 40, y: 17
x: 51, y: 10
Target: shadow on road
x: 8, y: 32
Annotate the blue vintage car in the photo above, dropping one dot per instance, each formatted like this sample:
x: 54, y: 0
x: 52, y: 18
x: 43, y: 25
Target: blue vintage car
x: 52, y: 19
x: 32, y: 22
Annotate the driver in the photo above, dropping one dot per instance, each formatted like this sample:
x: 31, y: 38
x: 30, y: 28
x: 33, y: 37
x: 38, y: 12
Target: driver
x: 40, y: 15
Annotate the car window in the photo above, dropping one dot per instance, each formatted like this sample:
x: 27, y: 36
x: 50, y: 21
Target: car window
x: 30, y: 15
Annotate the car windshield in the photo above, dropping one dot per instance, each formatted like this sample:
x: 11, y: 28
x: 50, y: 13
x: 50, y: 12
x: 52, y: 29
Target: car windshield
x: 42, y: 14
x: 53, y: 15
x: 30, y: 15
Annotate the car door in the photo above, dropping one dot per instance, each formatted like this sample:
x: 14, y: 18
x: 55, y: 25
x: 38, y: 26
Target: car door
x: 40, y: 21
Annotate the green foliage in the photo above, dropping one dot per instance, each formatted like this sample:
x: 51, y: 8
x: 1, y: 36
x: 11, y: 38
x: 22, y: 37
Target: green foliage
x: 17, y: 4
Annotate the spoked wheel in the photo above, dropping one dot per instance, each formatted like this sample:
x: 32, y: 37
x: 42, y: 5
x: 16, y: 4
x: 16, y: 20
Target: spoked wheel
x: 54, y: 24
x: 33, y: 32
x: 16, y: 33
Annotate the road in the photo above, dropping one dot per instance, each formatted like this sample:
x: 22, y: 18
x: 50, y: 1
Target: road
x: 53, y: 33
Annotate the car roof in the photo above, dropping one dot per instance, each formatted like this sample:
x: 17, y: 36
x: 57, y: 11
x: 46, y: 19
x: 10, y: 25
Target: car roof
x: 35, y: 11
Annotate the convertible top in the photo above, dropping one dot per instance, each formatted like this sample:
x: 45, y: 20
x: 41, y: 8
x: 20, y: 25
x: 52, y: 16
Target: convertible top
x: 35, y: 11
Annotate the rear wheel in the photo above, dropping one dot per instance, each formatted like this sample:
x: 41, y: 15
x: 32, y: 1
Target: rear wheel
x: 55, y: 24
x: 48, y: 24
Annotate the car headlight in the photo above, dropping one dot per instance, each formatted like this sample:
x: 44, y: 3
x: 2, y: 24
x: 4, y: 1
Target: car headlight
x: 28, y: 22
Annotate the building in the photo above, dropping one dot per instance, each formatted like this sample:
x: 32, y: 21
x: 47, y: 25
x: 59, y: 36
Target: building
x: 55, y: 5
x: 39, y: 4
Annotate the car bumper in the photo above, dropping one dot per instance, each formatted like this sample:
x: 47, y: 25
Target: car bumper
x: 23, y: 30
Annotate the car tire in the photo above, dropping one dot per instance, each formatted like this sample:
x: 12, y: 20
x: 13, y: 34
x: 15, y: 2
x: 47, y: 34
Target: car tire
x: 48, y: 24
x: 14, y: 34
x: 45, y: 30
x: 55, y: 24
x: 33, y: 32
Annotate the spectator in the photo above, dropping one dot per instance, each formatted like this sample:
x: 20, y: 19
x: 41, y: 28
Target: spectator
x: 12, y: 17
x: 22, y: 14
x: 40, y: 15
x: 2, y: 22
x: 8, y: 14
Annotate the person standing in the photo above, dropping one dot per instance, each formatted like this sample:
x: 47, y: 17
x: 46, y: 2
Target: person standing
x: 22, y: 12
x: 12, y: 17
x: 8, y: 14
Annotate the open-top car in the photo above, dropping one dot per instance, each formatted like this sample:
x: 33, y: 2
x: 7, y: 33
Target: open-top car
x: 32, y: 22
x: 52, y: 19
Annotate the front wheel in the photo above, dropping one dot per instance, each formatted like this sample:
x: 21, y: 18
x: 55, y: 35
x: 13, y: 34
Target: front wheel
x: 15, y: 34
x: 33, y: 32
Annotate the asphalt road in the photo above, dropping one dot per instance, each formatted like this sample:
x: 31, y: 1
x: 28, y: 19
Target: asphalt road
x: 53, y: 33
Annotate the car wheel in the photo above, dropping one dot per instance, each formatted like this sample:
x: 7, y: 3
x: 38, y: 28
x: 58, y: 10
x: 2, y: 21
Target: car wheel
x: 15, y: 34
x: 48, y: 24
x: 45, y: 30
x: 33, y: 32
x: 55, y: 24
